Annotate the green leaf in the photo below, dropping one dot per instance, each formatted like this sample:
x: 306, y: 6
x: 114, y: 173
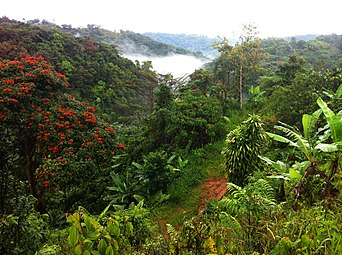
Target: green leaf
x: 78, y: 250
x: 129, y: 228
x: 339, y: 91
x: 108, y: 237
x: 87, y: 244
x: 87, y: 222
x: 109, y: 250
x: 92, y: 235
x: 116, y: 245
x: 294, y: 174
x: 300, y: 142
x: 306, y: 125
x: 114, y: 229
x: 86, y: 252
x: 280, y: 138
x: 279, y: 165
x: 73, y: 236
x: 334, y: 121
x: 104, y: 211
x: 102, y: 246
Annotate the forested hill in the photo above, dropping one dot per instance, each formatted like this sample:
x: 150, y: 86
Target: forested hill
x: 96, y: 70
x: 195, y: 43
x: 127, y: 42
x: 320, y: 52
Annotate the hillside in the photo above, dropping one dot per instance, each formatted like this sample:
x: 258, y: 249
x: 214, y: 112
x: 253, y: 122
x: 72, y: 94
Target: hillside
x: 127, y: 42
x: 96, y: 70
x: 320, y: 53
x: 195, y: 43
x: 130, y: 43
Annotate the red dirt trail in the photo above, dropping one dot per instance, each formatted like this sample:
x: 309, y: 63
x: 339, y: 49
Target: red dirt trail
x: 212, y: 188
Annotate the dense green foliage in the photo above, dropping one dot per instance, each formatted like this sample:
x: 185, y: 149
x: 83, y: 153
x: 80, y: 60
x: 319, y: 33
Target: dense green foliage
x: 71, y: 183
x: 244, y: 145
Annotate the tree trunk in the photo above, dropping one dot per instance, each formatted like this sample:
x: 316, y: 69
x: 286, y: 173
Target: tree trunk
x: 28, y: 164
x: 240, y: 88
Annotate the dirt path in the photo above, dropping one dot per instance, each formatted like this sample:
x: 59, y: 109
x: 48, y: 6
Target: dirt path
x: 212, y: 188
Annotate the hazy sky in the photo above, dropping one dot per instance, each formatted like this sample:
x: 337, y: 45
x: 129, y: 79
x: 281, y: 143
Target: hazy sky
x: 203, y: 17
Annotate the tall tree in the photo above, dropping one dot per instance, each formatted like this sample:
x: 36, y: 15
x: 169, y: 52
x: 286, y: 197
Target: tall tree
x: 243, y: 58
x: 247, y: 54
x: 56, y: 139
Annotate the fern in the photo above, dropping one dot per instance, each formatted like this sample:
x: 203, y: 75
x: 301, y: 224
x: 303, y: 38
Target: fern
x: 256, y: 196
x: 172, y: 232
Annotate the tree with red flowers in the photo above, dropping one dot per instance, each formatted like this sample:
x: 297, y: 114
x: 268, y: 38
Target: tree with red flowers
x: 58, y: 140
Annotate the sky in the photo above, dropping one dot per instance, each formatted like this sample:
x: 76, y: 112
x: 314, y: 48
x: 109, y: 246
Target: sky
x: 203, y: 17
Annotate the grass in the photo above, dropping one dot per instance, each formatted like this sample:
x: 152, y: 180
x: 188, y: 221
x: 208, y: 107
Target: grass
x: 185, y: 196
x: 185, y: 193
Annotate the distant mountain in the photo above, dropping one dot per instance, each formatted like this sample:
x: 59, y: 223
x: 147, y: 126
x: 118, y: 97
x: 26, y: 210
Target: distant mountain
x: 195, y: 43
x: 301, y: 37
x: 130, y: 43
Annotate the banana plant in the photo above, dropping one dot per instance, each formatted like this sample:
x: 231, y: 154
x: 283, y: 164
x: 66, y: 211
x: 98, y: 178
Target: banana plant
x: 321, y: 148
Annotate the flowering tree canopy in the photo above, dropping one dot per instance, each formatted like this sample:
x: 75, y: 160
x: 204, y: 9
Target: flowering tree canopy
x: 60, y: 140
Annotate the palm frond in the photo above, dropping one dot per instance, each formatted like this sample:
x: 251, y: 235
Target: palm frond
x: 301, y: 142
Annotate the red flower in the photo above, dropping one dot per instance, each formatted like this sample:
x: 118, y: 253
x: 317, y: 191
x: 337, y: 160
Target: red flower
x: 2, y: 101
x: 7, y: 90
x: 52, y: 174
x: 121, y: 146
x: 90, y: 159
x: 46, y: 183
x: 14, y: 100
x: 91, y: 108
x: 61, y: 75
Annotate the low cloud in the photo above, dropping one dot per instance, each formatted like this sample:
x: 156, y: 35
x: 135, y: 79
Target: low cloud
x: 177, y: 65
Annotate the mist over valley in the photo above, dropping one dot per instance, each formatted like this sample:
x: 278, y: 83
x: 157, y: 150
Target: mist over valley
x: 177, y: 65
